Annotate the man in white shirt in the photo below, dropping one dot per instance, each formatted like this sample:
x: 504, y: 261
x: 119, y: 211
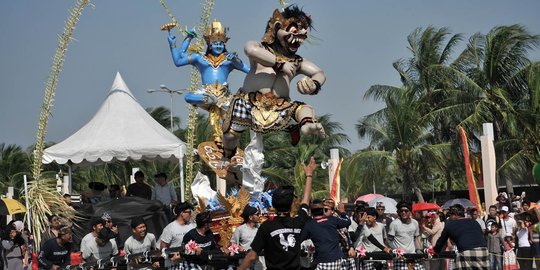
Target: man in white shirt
x: 165, y: 193
x: 508, y: 223
x: 102, y: 248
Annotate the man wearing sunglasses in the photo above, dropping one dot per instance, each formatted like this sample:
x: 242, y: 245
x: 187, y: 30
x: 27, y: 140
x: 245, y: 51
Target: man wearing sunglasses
x: 404, y: 233
x: 345, y: 242
x: 323, y: 231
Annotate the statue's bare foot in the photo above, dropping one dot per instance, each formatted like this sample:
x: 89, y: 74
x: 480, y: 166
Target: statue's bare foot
x: 313, y: 129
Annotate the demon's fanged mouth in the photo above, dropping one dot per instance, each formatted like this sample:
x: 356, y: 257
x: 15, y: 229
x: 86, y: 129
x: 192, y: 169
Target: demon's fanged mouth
x: 295, y: 41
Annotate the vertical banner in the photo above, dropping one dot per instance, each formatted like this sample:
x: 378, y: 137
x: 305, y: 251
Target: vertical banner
x: 471, y: 184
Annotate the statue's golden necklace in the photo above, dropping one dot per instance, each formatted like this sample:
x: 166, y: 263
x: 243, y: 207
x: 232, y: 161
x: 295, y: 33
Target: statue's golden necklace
x: 215, y: 61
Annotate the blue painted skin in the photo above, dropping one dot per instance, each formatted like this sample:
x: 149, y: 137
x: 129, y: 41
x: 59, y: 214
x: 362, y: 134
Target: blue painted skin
x: 209, y: 73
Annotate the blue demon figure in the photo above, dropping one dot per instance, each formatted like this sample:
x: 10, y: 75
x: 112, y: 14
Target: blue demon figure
x: 214, y: 66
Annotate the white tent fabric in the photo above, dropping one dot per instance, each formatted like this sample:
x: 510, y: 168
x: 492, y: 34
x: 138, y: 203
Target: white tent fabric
x: 120, y: 130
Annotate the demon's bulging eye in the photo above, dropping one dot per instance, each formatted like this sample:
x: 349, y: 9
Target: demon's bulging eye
x: 293, y: 28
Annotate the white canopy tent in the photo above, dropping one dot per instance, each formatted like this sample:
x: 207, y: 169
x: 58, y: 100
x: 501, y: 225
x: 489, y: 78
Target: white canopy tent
x: 120, y: 130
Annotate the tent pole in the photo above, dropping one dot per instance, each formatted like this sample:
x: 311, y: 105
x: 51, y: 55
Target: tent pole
x: 182, y: 183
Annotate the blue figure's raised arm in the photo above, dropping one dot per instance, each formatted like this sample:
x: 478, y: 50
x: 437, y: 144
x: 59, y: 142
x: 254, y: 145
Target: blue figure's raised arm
x: 180, y: 56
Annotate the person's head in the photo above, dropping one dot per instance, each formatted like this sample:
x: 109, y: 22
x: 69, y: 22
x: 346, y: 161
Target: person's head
x: 54, y: 222
x: 317, y: 208
x: 203, y: 221
x: 10, y: 231
x: 433, y: 216
x: 360, y: 209
x: 404, y: 210
x: 96, y: 223
x: 216, y: 37
x: 138, y: 227
x: 492, y: 210
x: 329, y: 207
x: 67, y: 198
x: 251, y: 214
x: 495, y: 227
x: 161, y: 178
x: 473, y: 213
x: 64, y: 234
x: 504, y: 211
x: 380, y: 208
x: 457, y: 210
x: 107, y: 220
x: 372, y: 215
x: 526, y: 204
x: 182, y: 211
x: 104, y: 236
x: 115, y: 191
x: 282, y: 199
x: 139, y: 177
x: 289, y: 28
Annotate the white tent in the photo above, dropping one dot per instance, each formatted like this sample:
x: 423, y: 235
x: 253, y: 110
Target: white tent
x: 120, y: 130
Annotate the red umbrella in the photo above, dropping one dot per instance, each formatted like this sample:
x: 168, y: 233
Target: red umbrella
x: 425, y: 207
x: 368, y: 197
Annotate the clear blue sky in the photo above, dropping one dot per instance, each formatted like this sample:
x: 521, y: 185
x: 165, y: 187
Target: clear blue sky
x: 358, y: 41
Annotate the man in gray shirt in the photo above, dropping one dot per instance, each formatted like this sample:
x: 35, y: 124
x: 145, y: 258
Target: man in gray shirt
x: 165, y: 193
x: 173, y: 234
x: 244, y: 234
x: 404, y: 233
x: 140, y: 242
x: 102, y: 248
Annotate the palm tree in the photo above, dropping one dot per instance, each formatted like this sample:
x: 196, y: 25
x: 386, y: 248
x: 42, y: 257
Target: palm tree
x: 400, y: 139
x: 163, y: 116
x: 14, y: 162
x: 490, y: 78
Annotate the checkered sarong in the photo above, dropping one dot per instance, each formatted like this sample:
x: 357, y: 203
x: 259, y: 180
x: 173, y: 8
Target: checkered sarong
x: 349, y: 264
x: 473, y: 259
x: 335, y: 265
x: 191, y: 266
x: 241, y: 112
x: 401, y: 264
x: 370, y: 265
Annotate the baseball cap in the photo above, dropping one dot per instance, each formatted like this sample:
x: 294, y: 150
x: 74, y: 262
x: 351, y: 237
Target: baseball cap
x: 504, y: 208
x: 282, y: 198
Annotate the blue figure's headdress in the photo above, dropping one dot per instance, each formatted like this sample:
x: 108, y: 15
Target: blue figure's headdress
x: 215, y: 32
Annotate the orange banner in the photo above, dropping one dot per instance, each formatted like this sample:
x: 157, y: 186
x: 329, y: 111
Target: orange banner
x: 471, y: 184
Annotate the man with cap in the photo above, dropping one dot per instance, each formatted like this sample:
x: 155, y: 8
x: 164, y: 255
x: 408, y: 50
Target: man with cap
x: 345, y: 243
x: 165, y: 193
x: 96, y: 224
x: 467, y: 235
x: 404, y: 233
x: 56, y: 252
x: 433, y: 234
x: 323, y: 231
x: 383, y: 218
x: 204, y: 238
x: 174, y: 232
x: 508, y: 223
x: 108, y: 223
x: 102, y: 248
x: 244, y: 234
x: 279, y: 238
x: 139, y: 242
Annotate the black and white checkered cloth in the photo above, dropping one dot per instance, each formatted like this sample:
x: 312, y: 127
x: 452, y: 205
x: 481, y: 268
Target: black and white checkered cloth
x: 349, y: 264
x: 242, y: 112
x: 401, y: 264
x: 335, y: 265
x: 191, y: 266
x: 473, y: 259
x: 370, y: 265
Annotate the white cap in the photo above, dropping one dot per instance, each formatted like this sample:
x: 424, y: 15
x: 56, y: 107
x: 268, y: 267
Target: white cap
x: 504, y: 208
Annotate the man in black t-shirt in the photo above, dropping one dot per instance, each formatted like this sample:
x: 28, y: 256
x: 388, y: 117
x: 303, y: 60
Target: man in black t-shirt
x: 56, y: 252
x: 203, y: 236
x: 139, y: 188
x: 279, y: 239
x: 492, y: 217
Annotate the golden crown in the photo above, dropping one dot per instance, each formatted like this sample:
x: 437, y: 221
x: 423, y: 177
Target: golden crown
x: 215, y: 32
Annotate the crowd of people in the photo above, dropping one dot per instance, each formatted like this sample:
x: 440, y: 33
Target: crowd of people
x: 321, y: 235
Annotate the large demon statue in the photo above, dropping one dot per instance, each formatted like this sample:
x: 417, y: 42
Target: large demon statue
x: 263, y: 104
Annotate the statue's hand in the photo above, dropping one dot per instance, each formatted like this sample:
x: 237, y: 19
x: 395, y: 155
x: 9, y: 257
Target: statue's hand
x: 306, y: 86
x: 232, y: 57
x: 172, y: 39
x: 289, y: 69
x: 191, y: 33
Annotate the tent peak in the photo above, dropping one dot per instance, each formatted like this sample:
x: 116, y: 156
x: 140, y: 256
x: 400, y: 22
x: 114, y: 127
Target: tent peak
x: 120, y: 85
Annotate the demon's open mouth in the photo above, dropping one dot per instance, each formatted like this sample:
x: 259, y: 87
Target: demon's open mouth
x: 295, y: 41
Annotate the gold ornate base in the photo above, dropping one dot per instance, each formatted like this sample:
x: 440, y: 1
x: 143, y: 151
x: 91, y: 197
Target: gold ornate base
x: 211, y: 154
